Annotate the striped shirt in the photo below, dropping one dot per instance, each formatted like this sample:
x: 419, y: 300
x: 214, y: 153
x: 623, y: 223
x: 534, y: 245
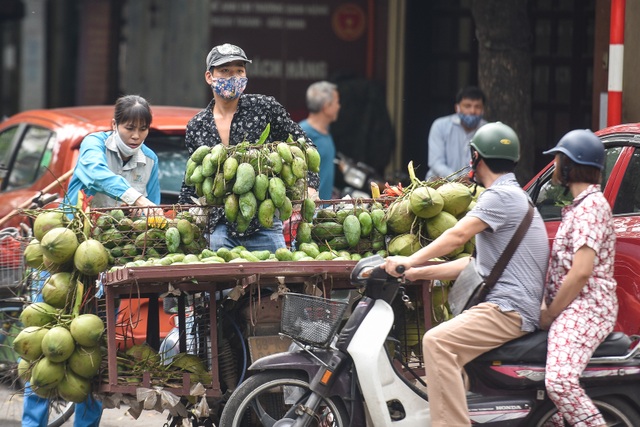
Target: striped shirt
x: 520, y: 288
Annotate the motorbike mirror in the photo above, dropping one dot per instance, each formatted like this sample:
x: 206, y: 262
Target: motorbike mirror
x: 364, y: 268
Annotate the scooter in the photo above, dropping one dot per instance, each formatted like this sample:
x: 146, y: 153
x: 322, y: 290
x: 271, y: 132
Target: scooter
x: 349, y: 379
x: 355, y: 177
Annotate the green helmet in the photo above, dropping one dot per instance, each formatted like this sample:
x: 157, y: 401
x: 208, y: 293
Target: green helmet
x: 497, y: 141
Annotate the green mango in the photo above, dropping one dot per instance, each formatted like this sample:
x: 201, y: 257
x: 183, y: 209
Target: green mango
x: 248, y: 205
x: 229, y: 168
x: 277, y: 191
x: 191, y: 167
x: 197, y: 177
x: 287, y: 175
x: 286, y: 210
x: 208, y: 167
x: 199, y: 153
x: 366, y: 223
x: 275, y: 161
x: 231, y: 207
x: 245, y: 178
x: 219, y: 185
x: 285, y: 152
x: 304, y: 232
x: 310, y: 249
x: 308, y: 210
x: 299, y: 167
x: 313, y: 159
x: 261, y: 186
x: 352, y: 230
x: 266, y: 210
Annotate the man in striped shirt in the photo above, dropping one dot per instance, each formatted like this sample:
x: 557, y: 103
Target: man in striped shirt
x: 512, y: 307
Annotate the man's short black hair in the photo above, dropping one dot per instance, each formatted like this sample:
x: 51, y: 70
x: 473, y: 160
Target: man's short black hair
x: 500, y: 165
x: 471, y: 92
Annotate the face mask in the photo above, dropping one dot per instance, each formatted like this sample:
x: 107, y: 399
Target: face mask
x: 230, y: 88
x: 124, y: 149
x: 470, y: 121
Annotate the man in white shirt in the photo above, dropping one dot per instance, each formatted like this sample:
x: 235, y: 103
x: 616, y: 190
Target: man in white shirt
x: 450, y: 135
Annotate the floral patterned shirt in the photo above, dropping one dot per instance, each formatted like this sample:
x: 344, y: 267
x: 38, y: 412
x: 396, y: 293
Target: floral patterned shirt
x: 251, y: 118
x: 587, y: 221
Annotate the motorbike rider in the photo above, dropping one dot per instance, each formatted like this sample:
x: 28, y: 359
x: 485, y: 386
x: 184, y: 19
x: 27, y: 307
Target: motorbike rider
x: 512, y: 307
x: 581, y: 304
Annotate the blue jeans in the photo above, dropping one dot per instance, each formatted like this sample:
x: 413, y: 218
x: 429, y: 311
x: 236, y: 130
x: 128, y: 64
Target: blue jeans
x: 35, y: 410
x: 269, y: 239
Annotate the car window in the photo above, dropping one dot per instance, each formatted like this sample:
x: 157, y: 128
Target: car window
x: 172, y: 160
x: 628, y: 199
x: 6, y: 144
x: 551, y: 198
x: 33, y: 157
x: 6, y: 140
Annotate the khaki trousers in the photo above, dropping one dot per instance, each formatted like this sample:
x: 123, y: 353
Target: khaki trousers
x: 451, y: 345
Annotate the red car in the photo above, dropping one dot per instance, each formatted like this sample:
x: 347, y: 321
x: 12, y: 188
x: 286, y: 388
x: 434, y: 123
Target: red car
x: 621, y: 187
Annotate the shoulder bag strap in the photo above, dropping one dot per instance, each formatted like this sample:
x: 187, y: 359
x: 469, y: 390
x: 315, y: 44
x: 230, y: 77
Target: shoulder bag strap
x: 498, y: 269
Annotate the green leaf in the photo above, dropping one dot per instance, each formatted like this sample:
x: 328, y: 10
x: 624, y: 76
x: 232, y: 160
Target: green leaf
x: 265, y: 134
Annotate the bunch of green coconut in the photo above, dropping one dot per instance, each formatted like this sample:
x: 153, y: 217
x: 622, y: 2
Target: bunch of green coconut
x: 425, y: 211
x: 251, y: 180
x: 60, y: 244
x: 59, y: 347
x: 129, y: 238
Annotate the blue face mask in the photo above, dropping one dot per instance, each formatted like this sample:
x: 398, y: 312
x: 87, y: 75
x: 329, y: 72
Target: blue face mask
x: 470, y: 121
x: 230, y: 88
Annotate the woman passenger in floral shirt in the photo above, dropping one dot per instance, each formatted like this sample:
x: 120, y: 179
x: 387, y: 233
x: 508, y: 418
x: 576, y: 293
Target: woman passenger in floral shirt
x: 581, y: 303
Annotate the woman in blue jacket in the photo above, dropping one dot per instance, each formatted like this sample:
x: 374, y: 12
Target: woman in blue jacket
x: 114, y: 168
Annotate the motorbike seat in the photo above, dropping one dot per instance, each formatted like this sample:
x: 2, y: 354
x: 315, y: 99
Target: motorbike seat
x: 532, y: 348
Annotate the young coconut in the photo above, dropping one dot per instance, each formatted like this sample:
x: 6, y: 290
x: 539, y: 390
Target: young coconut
x: 74, y: 388
x: 59, y: 245
x: 85, y: 361
x: 87, y: 329
x: 58, y: 344
x: 38, y: 314
x: 33, y: 254
x: 46, y: 221
x: 59, y: 290
x: 45, y: 376
x: 91, y: 257
x: 28, y: 343
x: 456, y: 197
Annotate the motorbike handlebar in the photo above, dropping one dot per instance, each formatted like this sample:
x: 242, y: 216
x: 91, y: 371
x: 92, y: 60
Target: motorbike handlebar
x: 400, y: 269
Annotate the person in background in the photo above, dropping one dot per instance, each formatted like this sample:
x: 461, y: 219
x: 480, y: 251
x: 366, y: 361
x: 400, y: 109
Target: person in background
x: 323, y: 103
x: 450, y: 135
x: 581, y: 306
x: 113, y: 168
x: 512, y: 307
x: 233, y: 117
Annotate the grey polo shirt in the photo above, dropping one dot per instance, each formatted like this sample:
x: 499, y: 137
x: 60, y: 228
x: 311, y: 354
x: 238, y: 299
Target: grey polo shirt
x: 502, y: 207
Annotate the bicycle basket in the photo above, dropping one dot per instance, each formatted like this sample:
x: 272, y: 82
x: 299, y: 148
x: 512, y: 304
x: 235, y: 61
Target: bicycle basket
x: 12, y: 267
x: 311, y: 320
